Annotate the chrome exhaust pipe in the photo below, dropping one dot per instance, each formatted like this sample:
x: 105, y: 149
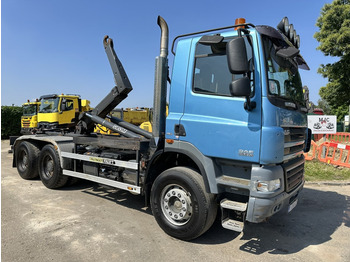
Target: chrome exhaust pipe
x: 160, y: 84
x: 164, y: 39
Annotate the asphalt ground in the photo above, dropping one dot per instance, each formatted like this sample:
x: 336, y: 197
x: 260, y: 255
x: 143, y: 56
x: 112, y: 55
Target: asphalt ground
x: 87, y: 222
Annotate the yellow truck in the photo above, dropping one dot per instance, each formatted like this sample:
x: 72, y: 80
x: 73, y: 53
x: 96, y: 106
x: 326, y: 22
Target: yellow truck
x: 136, y: 116
x: 29, y: 119
x: 140, y: 116
x: 147, y: 124
x: 60, y: 112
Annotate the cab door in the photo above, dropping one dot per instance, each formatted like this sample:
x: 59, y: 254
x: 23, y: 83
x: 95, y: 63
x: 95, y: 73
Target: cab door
x: 213, y: 120
x: 68, y: 107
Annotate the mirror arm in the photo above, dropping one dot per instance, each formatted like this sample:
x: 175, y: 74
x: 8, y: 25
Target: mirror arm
x: 249, y: 105
x: 240, y: 30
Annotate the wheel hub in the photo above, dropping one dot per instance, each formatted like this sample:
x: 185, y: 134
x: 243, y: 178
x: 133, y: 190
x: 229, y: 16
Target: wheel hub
x: 48, y: 167
x: 176, y: 205
x: 24, y: 160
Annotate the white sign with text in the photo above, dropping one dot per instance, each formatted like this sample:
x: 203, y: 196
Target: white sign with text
x: 322, y: 124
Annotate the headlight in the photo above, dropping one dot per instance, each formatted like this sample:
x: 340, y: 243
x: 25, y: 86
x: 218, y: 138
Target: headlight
x: 268, y: 186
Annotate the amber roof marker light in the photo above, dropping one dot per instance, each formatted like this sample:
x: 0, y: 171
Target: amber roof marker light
x: 240, y: 21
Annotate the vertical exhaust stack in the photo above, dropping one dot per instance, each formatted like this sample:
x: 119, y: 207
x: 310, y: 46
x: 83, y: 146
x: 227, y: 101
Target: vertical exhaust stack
x: 160, y: 83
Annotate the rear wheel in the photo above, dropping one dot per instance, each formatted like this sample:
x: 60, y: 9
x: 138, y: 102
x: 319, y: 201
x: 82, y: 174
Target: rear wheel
x: 50, y: 170
x: 180, y: 204
x: 27, y: 160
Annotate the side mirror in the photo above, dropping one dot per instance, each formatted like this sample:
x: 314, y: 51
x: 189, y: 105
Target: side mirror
x: 237, y: 56
x: 240, y: 87
x: 238, y: 64
x: 63, y: 106
x: 289, y: 52
x: 308, y: 141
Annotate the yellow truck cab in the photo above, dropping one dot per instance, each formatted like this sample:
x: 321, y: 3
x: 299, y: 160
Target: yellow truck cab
x: 60, y: 111
x: 29, y: 119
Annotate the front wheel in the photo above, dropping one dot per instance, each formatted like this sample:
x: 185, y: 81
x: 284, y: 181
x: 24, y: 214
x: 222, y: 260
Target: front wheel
x: 180, y: 204
x: 50, y: 170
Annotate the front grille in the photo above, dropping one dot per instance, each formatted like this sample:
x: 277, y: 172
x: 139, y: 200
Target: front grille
x: 26, y: 123
x: 294, y: 173
x: 294, y: 140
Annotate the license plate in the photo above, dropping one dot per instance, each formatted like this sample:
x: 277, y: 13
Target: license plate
x: 293, y: 205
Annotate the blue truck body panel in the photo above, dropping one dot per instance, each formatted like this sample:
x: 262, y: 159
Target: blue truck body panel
x: 177, y: 91
x: 218, y: 126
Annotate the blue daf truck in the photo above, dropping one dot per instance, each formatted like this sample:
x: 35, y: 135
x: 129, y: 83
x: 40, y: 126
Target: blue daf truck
x: 233, y: 140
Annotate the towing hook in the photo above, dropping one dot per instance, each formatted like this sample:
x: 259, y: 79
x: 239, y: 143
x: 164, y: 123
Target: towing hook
x: 107, y: 41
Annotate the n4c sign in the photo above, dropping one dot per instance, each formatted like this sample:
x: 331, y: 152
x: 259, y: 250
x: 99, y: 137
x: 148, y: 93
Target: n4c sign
x: 322, y: 124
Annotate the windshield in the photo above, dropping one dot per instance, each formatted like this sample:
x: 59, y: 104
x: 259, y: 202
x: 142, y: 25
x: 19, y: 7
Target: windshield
x: 29, y: 110
x: 283, y: 76
x: 49, y: 105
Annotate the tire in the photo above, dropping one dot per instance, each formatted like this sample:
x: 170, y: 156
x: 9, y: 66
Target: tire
x: 180, y: 204
x: 27, y: 160
x: 50, y: 170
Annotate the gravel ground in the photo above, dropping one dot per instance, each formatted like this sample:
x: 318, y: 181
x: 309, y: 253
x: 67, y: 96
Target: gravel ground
x: 90, y: 223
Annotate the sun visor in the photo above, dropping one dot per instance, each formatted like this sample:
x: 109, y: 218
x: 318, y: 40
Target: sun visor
x: 280, y: 41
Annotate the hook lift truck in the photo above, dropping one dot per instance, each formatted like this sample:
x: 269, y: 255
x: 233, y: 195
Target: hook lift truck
x: 234, y: 137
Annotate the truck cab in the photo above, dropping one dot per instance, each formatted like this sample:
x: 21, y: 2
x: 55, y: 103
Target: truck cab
x: 29, y: 119
x: 250, y: 153
x: 60, y: 111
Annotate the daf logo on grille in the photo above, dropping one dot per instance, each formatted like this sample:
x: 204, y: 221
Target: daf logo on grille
x: 249, y: 153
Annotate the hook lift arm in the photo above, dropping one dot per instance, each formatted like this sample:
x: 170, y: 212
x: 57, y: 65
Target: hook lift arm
x: 115, y: 96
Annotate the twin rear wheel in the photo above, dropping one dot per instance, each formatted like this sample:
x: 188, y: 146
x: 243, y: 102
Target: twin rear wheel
x: 31, y: 163
x: 26, y: 160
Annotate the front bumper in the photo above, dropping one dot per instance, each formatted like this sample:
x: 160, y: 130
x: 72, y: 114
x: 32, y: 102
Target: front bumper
x: 260, y: 209
x: 27, y: 130
x: 48, y: 125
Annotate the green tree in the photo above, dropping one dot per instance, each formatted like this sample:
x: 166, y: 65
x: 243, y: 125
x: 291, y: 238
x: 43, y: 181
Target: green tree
x: 10, y: 121
x: 334, y: 39
x: 323, y: 104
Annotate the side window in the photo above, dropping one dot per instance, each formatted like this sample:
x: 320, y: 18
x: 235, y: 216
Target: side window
x: 211, y: 74
x: 67, y: 104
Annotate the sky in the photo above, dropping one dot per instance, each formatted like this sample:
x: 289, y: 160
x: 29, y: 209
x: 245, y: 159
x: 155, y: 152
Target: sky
x: 55, y: 46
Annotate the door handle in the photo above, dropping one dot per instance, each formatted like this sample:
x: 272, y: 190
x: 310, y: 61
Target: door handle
x: 179, y: 130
